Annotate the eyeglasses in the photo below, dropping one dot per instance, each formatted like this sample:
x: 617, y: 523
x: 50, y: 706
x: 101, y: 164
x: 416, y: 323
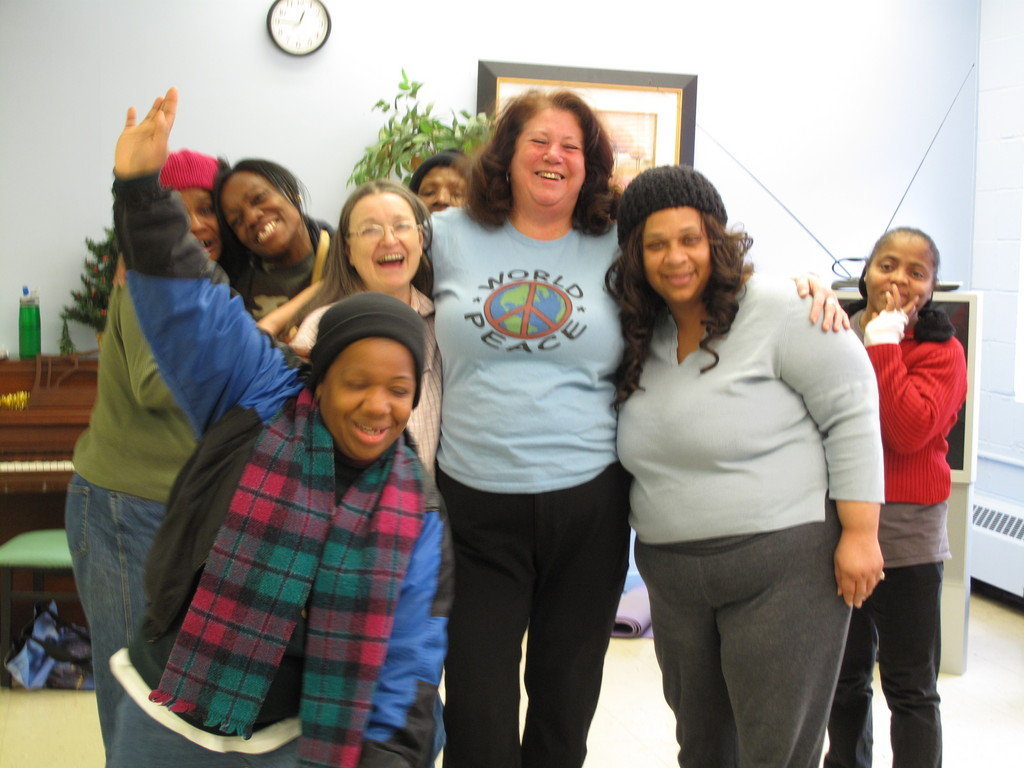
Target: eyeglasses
x: 371, y: 232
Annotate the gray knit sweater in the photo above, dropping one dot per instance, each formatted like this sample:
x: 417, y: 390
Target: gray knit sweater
x: 752, y: 445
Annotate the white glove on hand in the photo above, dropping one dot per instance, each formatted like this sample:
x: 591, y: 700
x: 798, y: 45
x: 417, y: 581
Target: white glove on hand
x: 886, y: 328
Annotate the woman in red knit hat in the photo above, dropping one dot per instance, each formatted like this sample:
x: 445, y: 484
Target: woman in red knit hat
x: 126, y: 461
x: 922, y: 382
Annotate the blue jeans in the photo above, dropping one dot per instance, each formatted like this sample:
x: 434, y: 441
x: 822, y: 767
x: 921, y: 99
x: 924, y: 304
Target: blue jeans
x: 109, y: 534
x: 142, y: 741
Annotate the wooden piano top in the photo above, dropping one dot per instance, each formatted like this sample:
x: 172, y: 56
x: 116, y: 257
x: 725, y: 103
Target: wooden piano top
x: 63, y: 390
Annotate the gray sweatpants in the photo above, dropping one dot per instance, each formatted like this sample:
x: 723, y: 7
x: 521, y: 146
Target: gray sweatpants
x: 749, y: 634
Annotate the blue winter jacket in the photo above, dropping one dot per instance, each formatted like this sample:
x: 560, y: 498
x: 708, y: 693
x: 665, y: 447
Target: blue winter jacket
x: 231, y: 379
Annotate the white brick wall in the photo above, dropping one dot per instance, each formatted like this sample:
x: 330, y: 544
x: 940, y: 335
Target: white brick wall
x: 997, y: 363
x: 997, y: 264
x: 997, y: 212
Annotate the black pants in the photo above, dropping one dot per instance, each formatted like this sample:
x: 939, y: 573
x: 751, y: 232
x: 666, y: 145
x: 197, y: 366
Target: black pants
x: 900, y: 621
x: 554, y: 562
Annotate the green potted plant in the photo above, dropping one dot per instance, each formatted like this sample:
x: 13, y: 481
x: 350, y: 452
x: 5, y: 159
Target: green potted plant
x: 413, y: 133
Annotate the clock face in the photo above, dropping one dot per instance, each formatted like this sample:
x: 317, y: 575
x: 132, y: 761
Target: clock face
x: 298, y: 27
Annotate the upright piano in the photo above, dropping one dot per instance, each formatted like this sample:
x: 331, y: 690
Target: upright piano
x: 36, y: 443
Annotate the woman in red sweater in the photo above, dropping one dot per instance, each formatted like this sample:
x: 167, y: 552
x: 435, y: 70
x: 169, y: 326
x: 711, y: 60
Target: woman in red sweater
x: 922, y: 382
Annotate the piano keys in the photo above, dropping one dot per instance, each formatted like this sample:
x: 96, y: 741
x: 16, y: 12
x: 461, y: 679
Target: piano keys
x: 36, y: 444
x: 39, y: 476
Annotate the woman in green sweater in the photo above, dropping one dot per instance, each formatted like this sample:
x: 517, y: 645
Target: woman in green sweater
x: 126, y: 461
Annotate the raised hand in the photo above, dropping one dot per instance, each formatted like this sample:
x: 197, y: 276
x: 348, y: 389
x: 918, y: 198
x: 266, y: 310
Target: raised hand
x: 142, y: 146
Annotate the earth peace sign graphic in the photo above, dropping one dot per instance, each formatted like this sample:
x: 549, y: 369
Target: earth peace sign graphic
x: 528, y: 309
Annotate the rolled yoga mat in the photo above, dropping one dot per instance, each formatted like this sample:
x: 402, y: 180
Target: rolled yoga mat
x: 633, y: 618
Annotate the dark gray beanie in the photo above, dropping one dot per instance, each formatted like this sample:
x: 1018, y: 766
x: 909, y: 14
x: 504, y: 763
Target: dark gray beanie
x: 442, y: 159
x: 363, y: 316
x: 670, y: 186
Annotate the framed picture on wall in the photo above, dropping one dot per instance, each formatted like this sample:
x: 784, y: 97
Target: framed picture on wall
x: 963, y: 311
x: 650, y: 116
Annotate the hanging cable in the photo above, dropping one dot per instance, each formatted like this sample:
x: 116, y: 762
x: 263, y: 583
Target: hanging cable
x: 838, y: 264
x: 770, y: 193
x: 930, y: 145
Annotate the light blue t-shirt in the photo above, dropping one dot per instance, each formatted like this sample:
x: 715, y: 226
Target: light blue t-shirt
x: 529, y: 342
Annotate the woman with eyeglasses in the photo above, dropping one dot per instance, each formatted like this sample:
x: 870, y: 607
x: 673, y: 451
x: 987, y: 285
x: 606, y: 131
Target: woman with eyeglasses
x: 383, y: 234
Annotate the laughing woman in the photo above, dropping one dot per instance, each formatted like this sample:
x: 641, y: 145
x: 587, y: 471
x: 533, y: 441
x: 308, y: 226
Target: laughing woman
x: 272, y: 248
x: 384, y: 232
x: 298, y: 586
x: 527, y: 463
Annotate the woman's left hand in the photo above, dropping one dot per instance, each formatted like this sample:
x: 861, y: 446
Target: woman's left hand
x: 824, y: 303
x: 858, y: 566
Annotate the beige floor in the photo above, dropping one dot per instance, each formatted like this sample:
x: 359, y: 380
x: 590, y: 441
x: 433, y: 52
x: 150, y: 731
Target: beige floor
x: 983, y: 710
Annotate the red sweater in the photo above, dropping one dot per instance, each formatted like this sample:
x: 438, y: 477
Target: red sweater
x: 921, y: 386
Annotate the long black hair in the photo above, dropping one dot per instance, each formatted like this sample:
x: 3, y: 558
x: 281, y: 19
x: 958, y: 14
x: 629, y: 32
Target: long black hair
x: 236, y: 258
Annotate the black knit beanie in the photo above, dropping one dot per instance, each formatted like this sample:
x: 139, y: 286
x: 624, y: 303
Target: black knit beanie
x: 670, y: 186
x: 442, y: 159
x: 363, y: 316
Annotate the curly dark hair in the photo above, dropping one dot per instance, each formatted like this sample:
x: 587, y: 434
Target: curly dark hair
x: 489, y: 201
x: 640, y: 306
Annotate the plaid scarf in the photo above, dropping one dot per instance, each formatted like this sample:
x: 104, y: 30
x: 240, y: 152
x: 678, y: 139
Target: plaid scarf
x: 286, y: 546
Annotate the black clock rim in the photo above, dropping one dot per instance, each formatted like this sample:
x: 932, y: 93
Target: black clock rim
x: 277, y: 45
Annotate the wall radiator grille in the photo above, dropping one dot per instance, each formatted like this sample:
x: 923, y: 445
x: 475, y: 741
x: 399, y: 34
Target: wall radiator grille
x: 997, y: 545
x: 999, y: 522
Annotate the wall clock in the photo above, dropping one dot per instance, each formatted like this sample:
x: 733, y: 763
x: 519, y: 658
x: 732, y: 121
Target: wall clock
x: 298, y: 27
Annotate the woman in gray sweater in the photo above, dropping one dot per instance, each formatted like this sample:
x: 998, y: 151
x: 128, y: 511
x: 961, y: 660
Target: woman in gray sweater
x: 740, y: 423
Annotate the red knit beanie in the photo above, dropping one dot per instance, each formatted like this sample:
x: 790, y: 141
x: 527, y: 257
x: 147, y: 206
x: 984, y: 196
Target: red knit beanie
x: 185, y: 169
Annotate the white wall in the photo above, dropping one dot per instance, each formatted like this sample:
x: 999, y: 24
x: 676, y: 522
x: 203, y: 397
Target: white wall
x: 831, y: 105
x: 999, y: 247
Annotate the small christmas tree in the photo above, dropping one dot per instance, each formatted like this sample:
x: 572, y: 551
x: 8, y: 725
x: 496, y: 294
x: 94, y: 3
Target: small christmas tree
x: 67, y: 346
x: 89, y: 305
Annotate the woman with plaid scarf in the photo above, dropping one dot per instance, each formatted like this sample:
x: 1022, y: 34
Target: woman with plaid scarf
x: 300, y: 584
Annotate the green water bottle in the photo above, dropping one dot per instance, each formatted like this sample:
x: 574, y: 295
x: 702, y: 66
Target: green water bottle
x: 28, y: 324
